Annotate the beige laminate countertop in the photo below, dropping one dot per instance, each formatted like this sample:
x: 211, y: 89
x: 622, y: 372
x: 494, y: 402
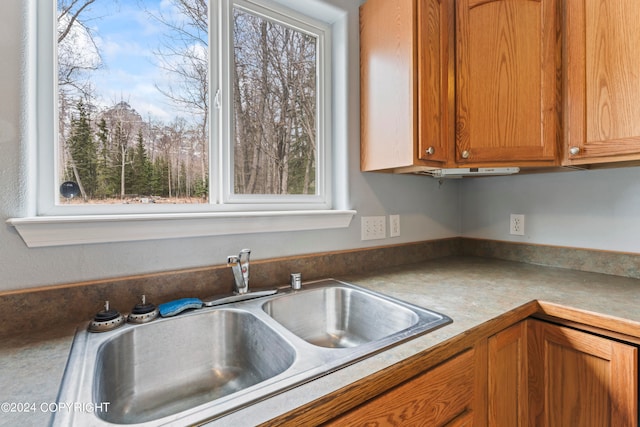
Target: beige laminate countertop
x: 472, y: 291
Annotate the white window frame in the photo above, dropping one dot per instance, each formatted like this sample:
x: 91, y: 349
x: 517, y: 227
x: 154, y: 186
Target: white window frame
x: 322, y: 33
x: 51, y: 225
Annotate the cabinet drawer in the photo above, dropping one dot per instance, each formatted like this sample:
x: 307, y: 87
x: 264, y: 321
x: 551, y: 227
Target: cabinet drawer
x: 435, y: 398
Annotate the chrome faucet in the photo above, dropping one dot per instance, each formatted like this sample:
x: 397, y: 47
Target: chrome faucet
x: 240, y: 267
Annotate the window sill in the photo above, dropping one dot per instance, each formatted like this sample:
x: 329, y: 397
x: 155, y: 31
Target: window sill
x: 78, y: 230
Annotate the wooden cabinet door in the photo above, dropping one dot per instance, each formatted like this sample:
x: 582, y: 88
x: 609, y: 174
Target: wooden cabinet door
x: 388, y: 122
x: 507, y: 377
x: 602, y: 81
x: 580, y: 379
x: 435, y: 63
x: 507, y: 82
x: 443, y: 396
x: 403, y: 85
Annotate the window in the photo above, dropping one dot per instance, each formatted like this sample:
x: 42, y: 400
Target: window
x: 204, y: 135
x: 186, y: 105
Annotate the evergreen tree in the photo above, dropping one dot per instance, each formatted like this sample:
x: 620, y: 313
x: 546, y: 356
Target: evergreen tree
x: 129, y: 174
x: 181, y: 186
x: 160, y: 177
x: 201, y: 188
x: 82, y: 149
x: 105, y: 185
x: 140, y: 169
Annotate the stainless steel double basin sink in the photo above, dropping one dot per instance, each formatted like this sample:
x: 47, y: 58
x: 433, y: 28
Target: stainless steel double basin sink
x: 203, y: 364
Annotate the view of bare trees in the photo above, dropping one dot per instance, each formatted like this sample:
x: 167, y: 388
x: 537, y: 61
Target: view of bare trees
x: 184, y: 53
x: 112, y: 152
x: 274, y: 107
x: 74, y: 64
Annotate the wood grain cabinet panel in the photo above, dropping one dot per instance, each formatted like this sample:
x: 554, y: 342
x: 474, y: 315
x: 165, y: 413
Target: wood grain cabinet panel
x: 545, y: 375
x: 507, y: 377
x: 602, y: 81
x: 443, y: 396
x: 466, y: 83
x: 580, y: 379
x: 533, y: 373
x: 404, y: 84
x: 507, y: 82
x: 473, y: 83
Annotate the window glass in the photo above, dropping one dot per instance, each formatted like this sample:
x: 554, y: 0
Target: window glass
x: 133, y: 100
x: 139, y: 104
x: 274, y: 106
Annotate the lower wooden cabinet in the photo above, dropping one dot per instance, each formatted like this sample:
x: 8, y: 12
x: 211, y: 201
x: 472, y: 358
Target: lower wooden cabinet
x: 580, y: 379
x: 533, y: 373
x: 542, y: 374
x: 507, y: 377
x: 442, y: 396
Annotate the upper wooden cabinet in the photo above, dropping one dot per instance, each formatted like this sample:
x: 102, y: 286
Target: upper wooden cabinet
x: 405, y: 84
x: 602, y: 81
x: 483, y: 94
x: 507, y: 82
x: 473, y: 83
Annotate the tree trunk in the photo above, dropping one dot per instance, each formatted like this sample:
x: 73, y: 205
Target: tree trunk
x: 123, y: 163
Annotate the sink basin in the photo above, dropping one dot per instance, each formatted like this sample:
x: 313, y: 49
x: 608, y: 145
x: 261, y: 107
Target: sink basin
x: 339, y: 316
x: 168, y: 367
x: 196, y: 367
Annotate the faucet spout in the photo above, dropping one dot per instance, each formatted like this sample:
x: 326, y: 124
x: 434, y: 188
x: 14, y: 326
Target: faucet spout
x: 240, y: 267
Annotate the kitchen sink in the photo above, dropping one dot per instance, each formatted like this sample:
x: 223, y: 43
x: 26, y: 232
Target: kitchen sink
x: 203, y: 364
x: 339, y: 316
x: 148, y: 373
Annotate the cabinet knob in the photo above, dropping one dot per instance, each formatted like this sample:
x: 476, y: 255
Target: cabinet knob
x: 430, y: 151
x: 466, y: 154
x: 574, y: 150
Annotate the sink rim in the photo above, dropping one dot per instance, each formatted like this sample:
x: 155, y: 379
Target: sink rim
x: 310, y: 361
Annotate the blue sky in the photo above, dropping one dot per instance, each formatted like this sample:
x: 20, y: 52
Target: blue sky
x: 126, y: 37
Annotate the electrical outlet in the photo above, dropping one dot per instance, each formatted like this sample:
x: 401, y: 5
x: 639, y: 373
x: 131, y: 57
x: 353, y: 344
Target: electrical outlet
x: 516, y: 224
x: 374, y: 227
x: 394, y: 225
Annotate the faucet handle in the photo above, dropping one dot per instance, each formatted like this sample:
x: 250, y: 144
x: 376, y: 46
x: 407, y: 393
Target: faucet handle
x: 240, y: 267
x: 244, y: 255
x: 244, y: 265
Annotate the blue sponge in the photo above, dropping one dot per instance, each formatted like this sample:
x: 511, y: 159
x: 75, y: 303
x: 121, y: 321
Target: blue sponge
x: 172, y: 308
